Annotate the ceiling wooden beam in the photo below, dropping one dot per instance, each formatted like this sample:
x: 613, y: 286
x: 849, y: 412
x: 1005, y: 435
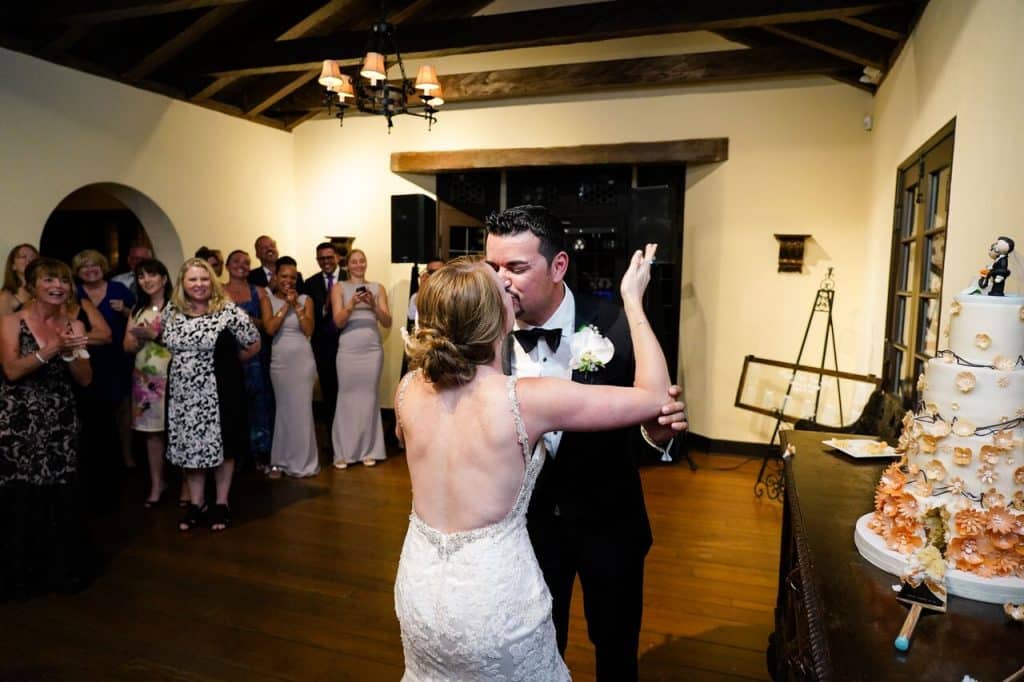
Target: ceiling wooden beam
x: 282, y: 92
x: 179, y: 43
x: 708, y: 150
x: 437, y: 10
x: 307, y: 25
x: 839, y: 40
x: 141, y: 8
x: 872, y: 27
x: 579, y: 23
x: 569, y: 79
x: 67, y: 38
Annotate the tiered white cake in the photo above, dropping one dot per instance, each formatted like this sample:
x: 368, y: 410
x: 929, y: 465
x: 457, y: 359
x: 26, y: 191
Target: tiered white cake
x: 960, y: 482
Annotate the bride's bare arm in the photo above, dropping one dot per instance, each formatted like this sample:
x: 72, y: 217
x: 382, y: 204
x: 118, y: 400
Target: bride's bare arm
x: 556, y: 404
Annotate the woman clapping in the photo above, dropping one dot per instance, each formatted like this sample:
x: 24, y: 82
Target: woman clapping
x: 288, y: 320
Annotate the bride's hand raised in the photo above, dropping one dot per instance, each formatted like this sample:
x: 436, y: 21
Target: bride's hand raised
x: 637, y: 275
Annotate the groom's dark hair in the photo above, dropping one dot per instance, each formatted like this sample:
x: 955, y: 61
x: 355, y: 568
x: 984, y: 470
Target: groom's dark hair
x: 537, y: 219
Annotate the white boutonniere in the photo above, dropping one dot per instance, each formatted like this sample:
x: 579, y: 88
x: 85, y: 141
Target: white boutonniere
x: 590, y: 350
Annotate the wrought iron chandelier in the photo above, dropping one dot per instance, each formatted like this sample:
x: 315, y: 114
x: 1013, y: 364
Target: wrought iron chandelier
x: 373, y: 93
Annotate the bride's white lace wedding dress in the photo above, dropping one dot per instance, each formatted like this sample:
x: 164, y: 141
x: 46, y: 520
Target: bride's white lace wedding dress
x: 473, y: 605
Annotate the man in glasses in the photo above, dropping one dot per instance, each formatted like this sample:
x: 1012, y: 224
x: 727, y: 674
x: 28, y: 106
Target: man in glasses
x: 325, y: 333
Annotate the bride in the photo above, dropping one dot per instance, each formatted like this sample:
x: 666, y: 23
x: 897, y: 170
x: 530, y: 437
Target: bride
x: 470, y: 596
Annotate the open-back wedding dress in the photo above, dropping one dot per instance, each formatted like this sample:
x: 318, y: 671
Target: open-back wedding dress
x: 473, y: 604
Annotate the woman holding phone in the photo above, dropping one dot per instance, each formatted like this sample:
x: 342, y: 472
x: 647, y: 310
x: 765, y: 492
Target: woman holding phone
x: 359, y: 306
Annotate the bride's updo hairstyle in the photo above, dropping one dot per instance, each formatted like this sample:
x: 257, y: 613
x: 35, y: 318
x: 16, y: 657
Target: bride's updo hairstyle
x: 461, y: 315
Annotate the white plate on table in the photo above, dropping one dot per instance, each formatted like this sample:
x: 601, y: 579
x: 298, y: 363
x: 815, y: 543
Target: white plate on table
x: 861, y: 448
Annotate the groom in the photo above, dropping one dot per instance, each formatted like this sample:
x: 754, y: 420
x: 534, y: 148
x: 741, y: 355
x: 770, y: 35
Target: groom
x: 587, y: 515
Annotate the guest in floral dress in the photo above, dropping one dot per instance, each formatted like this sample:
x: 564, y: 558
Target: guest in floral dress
x: 42, y: 536
x: 149, y: 377
x: 259, y: 391
x: 209, y: 338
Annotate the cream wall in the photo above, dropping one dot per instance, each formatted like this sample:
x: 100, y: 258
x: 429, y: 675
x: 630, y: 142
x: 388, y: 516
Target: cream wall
x: 965, y: 60
x: 216, y: 179
x: 798, y: 163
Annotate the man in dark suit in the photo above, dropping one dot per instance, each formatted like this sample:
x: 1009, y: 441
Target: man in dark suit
x: 266, y: 251
x: 587, y: 514
x: 325, y: 333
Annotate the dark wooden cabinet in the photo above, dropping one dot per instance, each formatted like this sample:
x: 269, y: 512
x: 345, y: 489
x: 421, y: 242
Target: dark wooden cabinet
x: 836, y: 615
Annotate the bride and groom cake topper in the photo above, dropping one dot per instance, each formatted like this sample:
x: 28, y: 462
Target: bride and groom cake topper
x: 993, y: 278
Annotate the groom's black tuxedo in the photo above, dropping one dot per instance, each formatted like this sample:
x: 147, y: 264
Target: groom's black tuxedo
x: 587, y: 515
x: 324, y: 341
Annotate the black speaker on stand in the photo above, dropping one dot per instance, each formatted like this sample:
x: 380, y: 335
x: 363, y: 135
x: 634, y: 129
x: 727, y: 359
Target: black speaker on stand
x: 413, y: 228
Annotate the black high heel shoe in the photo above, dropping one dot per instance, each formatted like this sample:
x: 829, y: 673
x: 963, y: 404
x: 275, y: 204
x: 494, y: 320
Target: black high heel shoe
x: 194, y: 516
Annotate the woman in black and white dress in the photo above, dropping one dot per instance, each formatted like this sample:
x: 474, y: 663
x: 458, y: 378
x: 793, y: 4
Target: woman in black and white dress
x: 209, y: 338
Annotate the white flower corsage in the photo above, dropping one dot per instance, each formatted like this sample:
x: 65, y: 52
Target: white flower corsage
x: 590, y: 350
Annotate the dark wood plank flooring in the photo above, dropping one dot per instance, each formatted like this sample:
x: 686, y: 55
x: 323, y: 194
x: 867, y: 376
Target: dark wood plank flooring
x: 300, y: 588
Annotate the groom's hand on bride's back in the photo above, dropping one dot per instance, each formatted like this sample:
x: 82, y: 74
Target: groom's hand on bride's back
x: 673, y: 419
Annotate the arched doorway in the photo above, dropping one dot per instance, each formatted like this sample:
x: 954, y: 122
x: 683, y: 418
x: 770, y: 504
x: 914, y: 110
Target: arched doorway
x: 110, y: 218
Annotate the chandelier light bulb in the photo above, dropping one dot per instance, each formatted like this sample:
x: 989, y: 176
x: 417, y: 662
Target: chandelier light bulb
x: 426, y: 79
x: 436, y: 97
x: 330, y: 74
x: 373, y: 67
x: 344, y: 88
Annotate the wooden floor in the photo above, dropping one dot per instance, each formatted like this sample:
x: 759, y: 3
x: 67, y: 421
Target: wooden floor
x: 301, y: 587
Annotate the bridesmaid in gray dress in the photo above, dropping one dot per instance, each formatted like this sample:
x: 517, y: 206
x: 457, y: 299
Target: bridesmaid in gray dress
x: 359, y: 307
x: 288, y: 320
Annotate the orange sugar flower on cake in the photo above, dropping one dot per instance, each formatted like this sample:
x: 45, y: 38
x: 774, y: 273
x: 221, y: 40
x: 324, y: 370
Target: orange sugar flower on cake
x: 987, y: 474
x: 962, y: 456
x: 969, y: 522
x: 1004, y: 540
x: 880, y: 523
x: 923, y: 487
x: 1000, y: 521
x: 1004, y: 440
x: 965, y: 382
x: 928, y: 443
x: 903, y: 540
x: 907, y: 508
x: 941, y: 429
x: 892, y: 480
x: 956, y: 485
x: 1004, y: 563
x: 989, y: 454
x: 935, y: 470
x: 993, y: 499
x: 964, y: 428
x: 967, y: 552
x: 1018, y: 503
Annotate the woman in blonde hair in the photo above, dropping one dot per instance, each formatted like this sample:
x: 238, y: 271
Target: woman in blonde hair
x: 209, y: 338
x: 359, y: 307
x: 470, y: 596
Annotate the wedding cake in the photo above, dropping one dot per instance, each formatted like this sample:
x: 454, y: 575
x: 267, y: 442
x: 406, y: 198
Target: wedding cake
x: 959, y: 483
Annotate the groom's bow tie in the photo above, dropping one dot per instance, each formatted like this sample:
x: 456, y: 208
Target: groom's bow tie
x: 528, y: 338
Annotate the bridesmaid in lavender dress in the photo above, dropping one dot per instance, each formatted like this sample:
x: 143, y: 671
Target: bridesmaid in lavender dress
x: 359, y: 307
x: 288, y: 320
